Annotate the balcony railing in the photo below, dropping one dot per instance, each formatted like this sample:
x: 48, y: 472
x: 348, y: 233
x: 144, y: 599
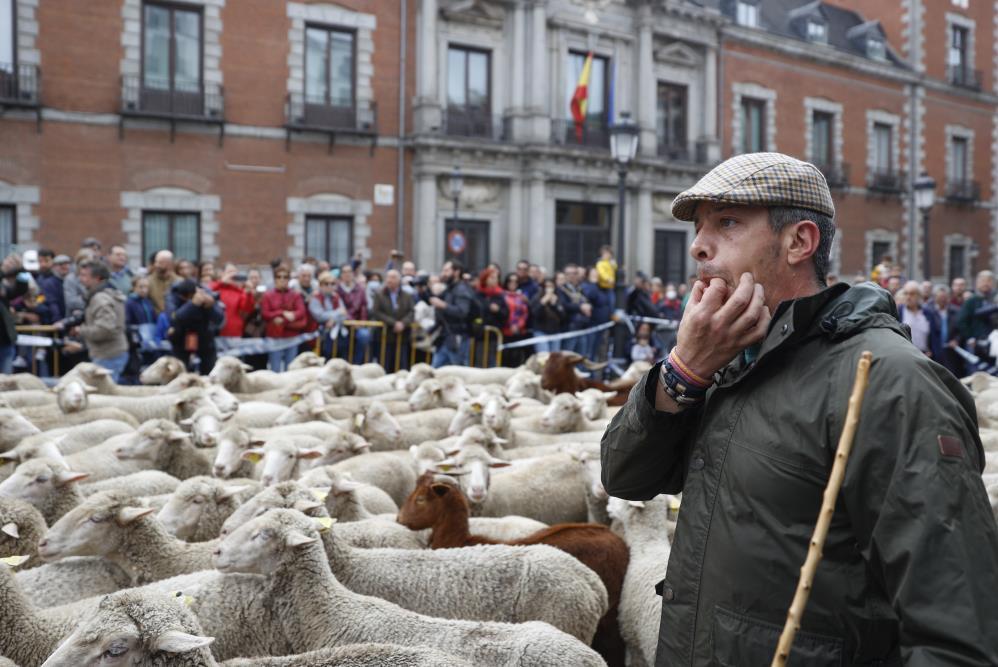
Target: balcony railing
x: 963, y: 191
x: 964, y: 77
x: 837, y: 175
x: 20, y: 86
x: 593, y: 133
x: 460, y: 122
x: 158, y: 99
x: 887, y: 181
x: 310, y: 114
x: 692, y: 153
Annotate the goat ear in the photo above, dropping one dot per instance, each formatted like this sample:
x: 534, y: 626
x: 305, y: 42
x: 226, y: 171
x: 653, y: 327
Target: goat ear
x: 129, y: 515
x: 309, y: 453
x: 246, y: 367
x: 364, y: 445
x: 252, y: 455
x: 11, y: 529
x: 175, y: 641
x: 176, y: 436
x: 440, y: 490
x: 66, y: 476
x: 296, y: 540
x: 498, y: 463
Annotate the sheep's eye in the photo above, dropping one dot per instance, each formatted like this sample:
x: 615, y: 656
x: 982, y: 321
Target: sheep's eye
x: 261, y: 512
x: 115, y: 651
x: 97, y: 518
x: 197, y: 500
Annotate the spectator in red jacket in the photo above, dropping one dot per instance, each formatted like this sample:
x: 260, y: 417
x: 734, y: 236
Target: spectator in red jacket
x: 238, y: 299
x: 283, y: 312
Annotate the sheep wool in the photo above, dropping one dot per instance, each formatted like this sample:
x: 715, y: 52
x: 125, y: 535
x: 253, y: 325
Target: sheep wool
x: 21, y: 528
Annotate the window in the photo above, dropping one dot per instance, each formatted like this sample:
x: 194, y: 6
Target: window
x: 671, y: 121
x: 171, y: 48
x: 957, y: 262
x: 580, y: 230
x: 883, y: 142
x: 817, y: 32
x: 753, y: 125
x: 178, y: 232
x: 821, y: 138
x: 958, y: 167
x: 597, y: 91
x: 876, y: 49
x: 329, y: 67
x: 747, y: 14
x: 878, y: 250
x: 471, y: 240
x: 328, y: 238
x: 8, y: 24
x: 8, y: 230
x: 959, y: 38
x: 468, y: 80
x: 670, y: 256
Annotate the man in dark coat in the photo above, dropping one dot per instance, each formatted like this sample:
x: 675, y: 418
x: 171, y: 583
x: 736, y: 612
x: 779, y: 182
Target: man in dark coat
x: 743, y: 417
x: 944, y: 334
x: 453, y: 315
x: 394, y: 306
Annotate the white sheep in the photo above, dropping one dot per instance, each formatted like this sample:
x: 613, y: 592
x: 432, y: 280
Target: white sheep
x: 284, y: 458
x: 240, y: 378
x: 100, y: 379
x: 112, y: 525
x: 525, y: 384
x: 563, y: 415
x: 318, y: 610
x: 27, y: 398
x: 306, y: 360
x: 233, y: 441
x: 162, y: 370
x: 22, y: 527
x: 208, y: 422
x: 21, y: 382
x: 46, y: 418
x: 393, y: 472
x: 471, y: 375
x: 341, y: 378
x: 594, y: 403
x: 187, y: 402
x: 47, y: 484
x: 348, y: 500
x: 198, y: 507
x: 59, y: 442
x: 386, y: 431
x: 643, y: 527
x: 142, y: 483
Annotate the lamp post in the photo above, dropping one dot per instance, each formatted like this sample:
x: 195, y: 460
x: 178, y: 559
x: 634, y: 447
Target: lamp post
x: 456, y: 185
x: 925, y: 197
x: 623, y: 148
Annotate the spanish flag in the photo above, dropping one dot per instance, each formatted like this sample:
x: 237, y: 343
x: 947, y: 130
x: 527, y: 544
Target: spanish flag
x: 580, y: 99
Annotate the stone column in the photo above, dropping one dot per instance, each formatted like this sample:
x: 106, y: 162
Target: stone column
x: 709, y: 133
x: 646, y: 83
x: 426, y: 110
x: 516, y: 224
x: 516, y: 77
x: 641, y: 244
x: 427, y: 239
x: 540, y: 235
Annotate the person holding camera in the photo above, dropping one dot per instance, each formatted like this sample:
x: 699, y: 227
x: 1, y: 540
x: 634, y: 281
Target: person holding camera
x: 238, y: 298
x: 103, y: 325
x: 193, y: 325
x: 13, y: 285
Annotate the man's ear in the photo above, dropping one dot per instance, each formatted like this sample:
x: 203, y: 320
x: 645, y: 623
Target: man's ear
x: 801, y: 241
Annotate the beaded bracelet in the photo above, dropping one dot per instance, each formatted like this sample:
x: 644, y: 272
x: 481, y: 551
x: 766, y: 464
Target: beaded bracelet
x: 684, y: 371
x: 677, y: 388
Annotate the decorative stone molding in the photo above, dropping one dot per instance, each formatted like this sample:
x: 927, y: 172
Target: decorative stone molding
x: 812, y: 104
x: 913, y: 25
x: 24, y: 199
x: 753, y: 91
x: 336, y: 17
x: 476, y: 12
x: 27, y: 33
x: 170, y: 199
x: 959, y: 132
x: 958, y: 240
x: 678, y: 53
x: 475, y: 194
x: 878, y: 235
x: 328, y: 204
x: 211, y: 18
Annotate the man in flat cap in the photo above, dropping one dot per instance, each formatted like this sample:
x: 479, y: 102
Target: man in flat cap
x: 743, y: 417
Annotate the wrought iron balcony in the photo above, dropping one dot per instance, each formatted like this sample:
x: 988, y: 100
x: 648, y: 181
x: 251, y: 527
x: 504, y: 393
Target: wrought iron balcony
x: 464, y: 122
x: 888, y: 181
x: 836, y: 174
x: 593, y: 133
x: 308, y: 114
x: 964, y: 77
x: 691, y: 153
x: 20, y: 86
x: 963, y: 192
x: 156, y: 99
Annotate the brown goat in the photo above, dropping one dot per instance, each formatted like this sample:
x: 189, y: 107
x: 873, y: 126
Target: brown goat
x: 559, y: 377
x: 438, y: 504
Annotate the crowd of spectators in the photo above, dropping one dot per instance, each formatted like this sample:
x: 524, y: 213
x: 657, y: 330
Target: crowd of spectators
x: 123, y: 319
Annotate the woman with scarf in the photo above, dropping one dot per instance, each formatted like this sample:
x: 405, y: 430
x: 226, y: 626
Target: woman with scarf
x: 492, y: 308
x: 517, y: 322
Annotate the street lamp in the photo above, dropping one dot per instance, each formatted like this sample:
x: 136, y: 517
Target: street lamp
x: 623, y: 148
x: 925, y: 197
x: 456, y: 185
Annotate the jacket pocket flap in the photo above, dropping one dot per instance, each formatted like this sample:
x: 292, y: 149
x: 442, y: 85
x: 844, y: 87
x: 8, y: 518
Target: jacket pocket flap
x: 739, y: 640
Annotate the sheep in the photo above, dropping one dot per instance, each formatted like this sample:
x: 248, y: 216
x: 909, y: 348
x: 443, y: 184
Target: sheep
x: 470, y: 375
x: 430, y: 394
x: 282, y: 458
x: 157, y: 444
x: 423, y: 581
x: 306, y: 360
x: 51, y: 417
x: 564, y: 415
x: 233, y: 441
x: 138, y: 627
x: 207, y: 422
x: 642, y: 524
x: 142, y: 408
x: 29, y: 398
x: 142, y: 483
x: 549, y: 489
x: 111, y: 525
x: 21, y: 528
x: 315, y: 610
x: 594, y: 403
x: 348, y: 500
x: 198, y: 507
x: 187, y: 402
x: 235, y: 376
x: 392, y: 473
x: 59, y: 442
x: 21, y: 382
x: 46, y: 484
x: 162, y: 371
x: 438, y: 504
x: 526, y: 384
x: 385, y: 431
x: 341, y: 379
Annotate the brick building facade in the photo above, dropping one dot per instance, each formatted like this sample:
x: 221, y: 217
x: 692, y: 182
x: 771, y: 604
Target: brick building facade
x: 226, y: 130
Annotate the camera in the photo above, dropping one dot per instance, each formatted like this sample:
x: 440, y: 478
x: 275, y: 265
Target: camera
x: 73, y: 320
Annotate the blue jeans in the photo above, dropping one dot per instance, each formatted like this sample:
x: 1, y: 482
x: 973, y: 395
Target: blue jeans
x: 547, y: 345
x: 361, y: 342
x: 446, y: 356
x: 279, y: 360
x: 7, y: 353
x: 115, y: 364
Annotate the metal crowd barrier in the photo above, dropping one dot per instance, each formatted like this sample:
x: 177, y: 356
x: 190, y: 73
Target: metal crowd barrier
x: 48, y: 331
x: 487, y: 332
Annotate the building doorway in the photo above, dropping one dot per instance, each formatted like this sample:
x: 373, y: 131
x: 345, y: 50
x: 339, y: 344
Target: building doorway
x: 580, y: 230
x: 467, y: 241
x: 670, y: 256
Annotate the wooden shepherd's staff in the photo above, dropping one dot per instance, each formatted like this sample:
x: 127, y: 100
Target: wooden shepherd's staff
x: 825, y: 517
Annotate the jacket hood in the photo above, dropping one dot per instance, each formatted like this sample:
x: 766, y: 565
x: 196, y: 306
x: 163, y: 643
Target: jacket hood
x: 109, y: 290
x: 859, y: 307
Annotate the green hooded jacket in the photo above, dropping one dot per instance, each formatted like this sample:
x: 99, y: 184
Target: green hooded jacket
x: 910, y: 568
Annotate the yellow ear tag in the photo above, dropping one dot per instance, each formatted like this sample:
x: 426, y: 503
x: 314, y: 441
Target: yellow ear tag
x: 253, y: 457
x: 476, y: 407
x: 14, y: 561
x: 446, y: 467
x: 295, y: 398
x: 673, y: 503
x: 320, y: 493
x: 325, y: 523
x: 186, y: 600
x: 358, y: 420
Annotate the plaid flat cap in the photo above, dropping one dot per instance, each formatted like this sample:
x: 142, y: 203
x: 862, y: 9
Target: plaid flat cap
x: 759, y: 179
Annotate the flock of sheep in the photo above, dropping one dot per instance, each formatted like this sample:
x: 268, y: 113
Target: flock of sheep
x: 329, y: 515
